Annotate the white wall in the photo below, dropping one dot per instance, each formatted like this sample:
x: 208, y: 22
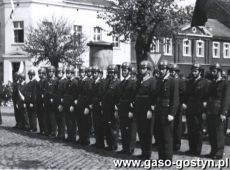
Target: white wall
x: 31, y: 13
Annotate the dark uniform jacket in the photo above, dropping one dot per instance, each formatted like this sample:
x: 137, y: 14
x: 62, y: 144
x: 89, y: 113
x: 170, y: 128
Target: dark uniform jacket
x: 218, y: 97
x: 196, y: 94
x: 97, y: 91
x: 60, y: 90
x: 145, y: 95
x: 21, y: 90
x: 71, y: 91
x: 41, y: 85
x: 85, y: 92
x: 127, y: 92
x: 31, y: 92
x: 50, y: 90
x: 168, y: 94
x: 110, y: 99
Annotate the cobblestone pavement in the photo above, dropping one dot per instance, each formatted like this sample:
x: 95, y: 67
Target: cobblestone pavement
x: 24, y: 150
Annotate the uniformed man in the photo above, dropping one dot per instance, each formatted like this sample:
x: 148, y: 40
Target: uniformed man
x: 217, y: 109
x: 195, y: 102
x: 97, y: 96
x: 100, y: 73
x: 144, y: 108
x: 14, y: 98
x: 110, y: 99
x: 21, y: 103
x: 49, y: 102
x: 70, y: 100
x: 40, y: 100
x: 133, y: 73
x: 167, y: 102
x: 83, y: 107
x: 58, y: 100
x: 88, y: 72
x: 127, y: 89
x: 174, y: 72
x: 30, y: 99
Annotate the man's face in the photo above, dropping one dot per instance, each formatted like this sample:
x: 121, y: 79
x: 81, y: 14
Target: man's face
x: 95, y: 75
x: 68, y: 75
x: 111, y: 75
x: 31, y: 76
x: 144, y: 71
x: 60, y: 74
x: 40, y: 75
x: 125, y: 73
x: 214, y: 73
x: 101, y: 75
x: 51, y: 73
x: 82, y: 74
x: 195, y: 73
x: 173, y: 73
x: 163, y: 72
x: 88, y: 74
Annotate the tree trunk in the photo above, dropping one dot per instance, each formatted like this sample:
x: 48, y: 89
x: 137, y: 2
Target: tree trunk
x: 141, y: 48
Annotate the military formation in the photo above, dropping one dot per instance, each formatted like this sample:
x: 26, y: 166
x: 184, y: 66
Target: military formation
x: 140, y: 106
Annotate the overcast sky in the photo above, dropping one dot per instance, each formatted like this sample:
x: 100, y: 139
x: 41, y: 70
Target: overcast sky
x: 186, y: 2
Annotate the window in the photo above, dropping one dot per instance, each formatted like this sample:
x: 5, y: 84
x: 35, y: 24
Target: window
x: 168, y: 46
x: 77, y: 34
x: 187, y: 48
x: 97, y: 34
x: 116, y: 41
x: 216, y: 50
x: 200, y: 48
x: 155, y: 48
x: 226, y: 50
x: 18, y: 31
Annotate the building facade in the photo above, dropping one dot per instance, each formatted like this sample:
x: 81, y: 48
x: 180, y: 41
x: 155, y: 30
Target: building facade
x: 83, y: 14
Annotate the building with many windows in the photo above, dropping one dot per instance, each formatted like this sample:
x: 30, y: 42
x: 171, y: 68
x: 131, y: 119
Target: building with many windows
x: 205, y: 44
x: 81, y: 13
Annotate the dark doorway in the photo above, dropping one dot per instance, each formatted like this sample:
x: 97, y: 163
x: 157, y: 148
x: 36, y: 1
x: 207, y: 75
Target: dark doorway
x: 15, y: 68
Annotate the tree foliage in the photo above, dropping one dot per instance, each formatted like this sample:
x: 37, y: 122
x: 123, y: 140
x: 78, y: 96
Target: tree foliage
x: 143, y: 20
x: 54, y: 42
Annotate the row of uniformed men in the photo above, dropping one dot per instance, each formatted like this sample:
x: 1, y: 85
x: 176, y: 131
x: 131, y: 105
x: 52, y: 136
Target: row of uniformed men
x: 147, y: 105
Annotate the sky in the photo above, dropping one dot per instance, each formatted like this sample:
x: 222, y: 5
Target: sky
x: 186, y: 2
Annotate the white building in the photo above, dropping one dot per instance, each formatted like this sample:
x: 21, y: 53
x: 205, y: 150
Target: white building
x: 82, y: 13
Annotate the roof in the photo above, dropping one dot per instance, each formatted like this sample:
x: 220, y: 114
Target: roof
x: 217, y: 29
x: 100, y: 43
x: 91, y: 2
x: 224, y: 4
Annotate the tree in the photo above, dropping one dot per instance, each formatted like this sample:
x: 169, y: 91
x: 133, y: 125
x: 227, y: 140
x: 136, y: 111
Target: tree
x: 144, y: 20
x: 54, y: 42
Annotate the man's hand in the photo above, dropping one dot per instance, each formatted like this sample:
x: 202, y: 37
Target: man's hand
x: 170, y: 118
x: 149, y: 114
x: 184, y: 106
x: 31, y: 105
x: 71, y: 109
x: 60, y: 108
x: 152, y: 107
x: 130, y: 115
x: 222, y: 118
x: 204, y: 104
x: 51, y: 100
x: 75, y: 102
x: 116, y: 108
x: 116, y: 114
x: 86, y: 111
